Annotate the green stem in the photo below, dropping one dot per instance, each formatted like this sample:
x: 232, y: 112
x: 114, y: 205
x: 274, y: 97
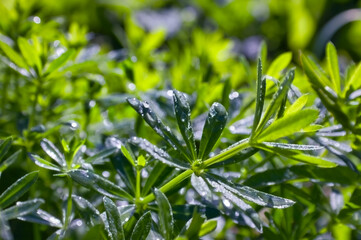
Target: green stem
x: 233, y: 150
x: 170, y: 185
x: 69, y: 204
x: 35, y: 102
x: 137, y: 192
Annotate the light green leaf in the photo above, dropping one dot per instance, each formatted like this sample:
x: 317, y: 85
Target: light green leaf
x: 13, y: 56
x: 43, y: 163
x: 355, y: 80
x: 279, y: 64
x: 333, y: 68
x: 208, y: 227
x: 288, y: 125
x: 53, y: 152
x: 60, y: 61
x: 297, y: 105
x: 128, y: 154
x: 261, y: 92
x: 29, y: 53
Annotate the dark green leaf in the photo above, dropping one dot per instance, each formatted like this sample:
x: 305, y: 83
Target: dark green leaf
x: 213, y: 128
x: 165, y: 215
x: 53, y: 152
x: 157, y: 153
x: 42, y: 217
x: 160, y: 171
x: 145, y: 111
x: 21, y: 209
x: 142, y: 227
x: 101, y: 155
x: 183, y: 113
x: 261, y: 92
x: 115, y: 223
x: 17, y: 189
x: 99, y: 184
x: 10, y: 160
x: 87, y: 211
x: 4, y: 147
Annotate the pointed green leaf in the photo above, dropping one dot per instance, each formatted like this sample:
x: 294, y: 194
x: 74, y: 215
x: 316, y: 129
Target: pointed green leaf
x: 43, y: 163
x: 60, y: 61
x: 53, y: 152
x: 208, y: 227
x: 29, y: 53
x: 142, y: 227
x: 288, y: 125
x: 17, y: 189
x: 276, y: 101
x: 12, y: 55
x: 195, y: 225
x: 4, y: 147
x: 10, y: 160
x: 145, y: 111
x: 297, y: 105
x: 262, y: 54
x: 21, y: 209
x: 261, y: 92
x: 41, y: 217
x: 183, y: 113
x: 99, y: 184
x: 354, y: 81
x: 315, y: 74
x: 249, y: 194
x: 128, y: 154
x: 298, y: 156
x: 333, y: 69
x: 279, y: 64
x: 115, y: 223
x: 87, y: 211
x: 213, y: 128
x: 159, y: 171
x: 165, y: 215
x: 157, y: 153
x: 101, y: 155
x: 293, y: 146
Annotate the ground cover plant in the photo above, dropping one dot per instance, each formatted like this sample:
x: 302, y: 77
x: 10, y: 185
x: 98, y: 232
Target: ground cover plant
x: 161, y: 120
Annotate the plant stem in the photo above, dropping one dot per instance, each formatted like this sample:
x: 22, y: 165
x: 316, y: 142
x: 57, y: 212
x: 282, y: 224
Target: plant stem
x: 137, y: 191
x: 233, y: 150
x: 69, y: 204
x: 33, y: 107
x: 171, y: 184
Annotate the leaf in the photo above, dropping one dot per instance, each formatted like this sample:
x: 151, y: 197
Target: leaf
x: 60, y: 61
x: 159, y: 171
x: 12, y: 55
x: 29, y: 53
x: 128, y: 154
x: 297, y: 105
x: 249, y: 194
x: 298, y: 156
x: 10, y: 160
x: 21, y: 209
x: 101, y: 155
x: 145, y: 111
x: 165, y: 215
x: 53, y: 152
x: 293, y: 146
x: 157, y: 153
x: 4, y: 147
x: 87, y: 211
x: 185, y: 212
x: 341, y: 175
x: 115, y: 223
x: 99, y: 184
x: 42, y: 217
x: 17, y: 189
x: 231, y: 205
x: 142, y: 227
x: 279, y: 64
x: 183, y: 113
x: 208, y: 227
x: 194, y: 225
x: 125, y: 170
x: 243, y: 155
x: 43, y: 163
x: 275, y: 102
x: 213, y: 128
x: 315, y: 74
x: 261, y: 92
x: 288, y: 125
x: 333, y: 68
x: 354, y: 80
